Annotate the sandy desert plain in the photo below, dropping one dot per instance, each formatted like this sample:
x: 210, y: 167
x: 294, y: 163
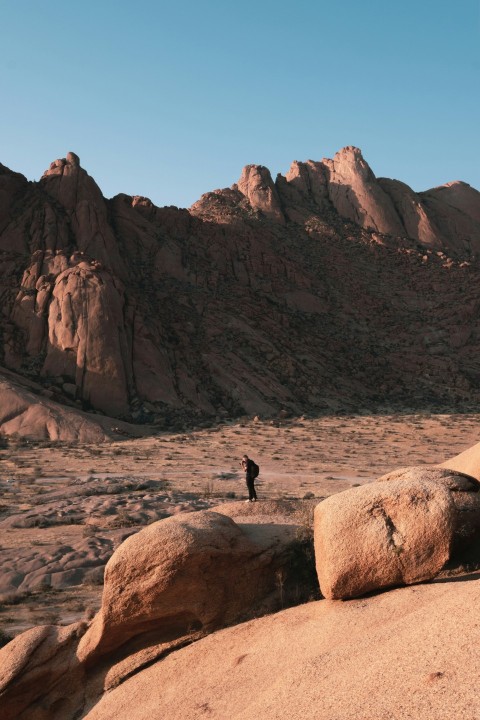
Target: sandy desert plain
x: 64, y: 508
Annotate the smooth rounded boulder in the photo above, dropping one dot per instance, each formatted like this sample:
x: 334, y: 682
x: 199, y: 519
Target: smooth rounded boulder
x: 381, y: 535
x: 189, y: 572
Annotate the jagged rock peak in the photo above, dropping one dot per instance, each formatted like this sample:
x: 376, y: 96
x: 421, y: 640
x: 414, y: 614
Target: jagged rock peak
x: 141, y: 200
x: 257, y: 186
x: 63, y: 165
x: 350, y: 161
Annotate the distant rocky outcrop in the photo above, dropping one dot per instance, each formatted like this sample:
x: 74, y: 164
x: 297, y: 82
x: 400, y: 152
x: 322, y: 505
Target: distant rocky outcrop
x: 445, y: 218
x: 258, y: 187
x: 175, y: 317
x: 31, y: 410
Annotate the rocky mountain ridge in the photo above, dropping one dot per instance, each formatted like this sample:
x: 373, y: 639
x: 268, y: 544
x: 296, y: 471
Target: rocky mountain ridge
x: 326, y: 289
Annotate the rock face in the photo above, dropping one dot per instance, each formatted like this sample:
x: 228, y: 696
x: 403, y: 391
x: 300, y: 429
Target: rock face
x: 168, y: 316
x: 355, y: 193
x: 406, y: 654
x: 89, y: 346
x: 464, y: 490
x: 466, y: 462
x: 381, y: 535
x: 257, y: 185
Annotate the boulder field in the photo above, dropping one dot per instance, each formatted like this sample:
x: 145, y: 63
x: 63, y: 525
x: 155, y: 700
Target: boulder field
x: 157, y: 647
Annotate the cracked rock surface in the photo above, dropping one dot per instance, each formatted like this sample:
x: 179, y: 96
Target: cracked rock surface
x: 383, y: 534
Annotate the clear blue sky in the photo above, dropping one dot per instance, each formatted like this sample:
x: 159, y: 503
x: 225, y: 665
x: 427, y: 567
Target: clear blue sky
x: 171, y: 99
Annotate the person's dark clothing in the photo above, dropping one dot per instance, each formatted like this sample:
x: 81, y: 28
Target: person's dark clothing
x: 250, y: 480
x: 252, y: 493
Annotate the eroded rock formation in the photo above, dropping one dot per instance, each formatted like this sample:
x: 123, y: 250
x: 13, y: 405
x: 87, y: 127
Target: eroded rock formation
x: 326, y: 288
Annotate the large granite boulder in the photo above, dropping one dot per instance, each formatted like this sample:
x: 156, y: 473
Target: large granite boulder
x: 186, y: 573
x: 400, y: 530
x: 166, y: 586
x: 464, y: 490
x: 381, y: 535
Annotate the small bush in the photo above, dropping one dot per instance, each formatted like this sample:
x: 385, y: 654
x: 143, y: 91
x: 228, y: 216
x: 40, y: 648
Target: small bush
x: 95, y: 576
x: 13, y: 598
x: 123, y: 519
x: 208, y: 489
x: 89, y: 531
x: 5, y: 637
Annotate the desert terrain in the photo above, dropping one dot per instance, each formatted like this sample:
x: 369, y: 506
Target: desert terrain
x: 326, y: 324
x: 65, y: 507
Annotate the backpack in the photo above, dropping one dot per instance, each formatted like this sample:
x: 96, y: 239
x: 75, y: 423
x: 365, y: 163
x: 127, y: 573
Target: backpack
x: 255, y: 470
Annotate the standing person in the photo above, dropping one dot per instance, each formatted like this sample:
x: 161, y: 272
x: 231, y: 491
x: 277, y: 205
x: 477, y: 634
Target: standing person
x: 251, y: 472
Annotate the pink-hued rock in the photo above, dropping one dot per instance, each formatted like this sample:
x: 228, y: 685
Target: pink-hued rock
x: 467, y: 462
x: 407, y: 654
x: 258, y: 187
x: 170, y: 584
x: 40, y: 675
x: 417, y: 222
x: 26, y: 409
x: 464, y: 490
x: 355, y: 193
x: 383, y: 534
x: 170, y: 316
x: 309, y: 179
x: 455, y: 208
x: 187, y: 573
x: 86, y: 340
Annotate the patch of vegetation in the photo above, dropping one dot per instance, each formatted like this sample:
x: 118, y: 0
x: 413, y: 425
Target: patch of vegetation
x: 123, y: 519
x: 89, y: 531
x: 15, y: 597
x: 5, y: 637
x: 300, y: 581
x: 208, y: 489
